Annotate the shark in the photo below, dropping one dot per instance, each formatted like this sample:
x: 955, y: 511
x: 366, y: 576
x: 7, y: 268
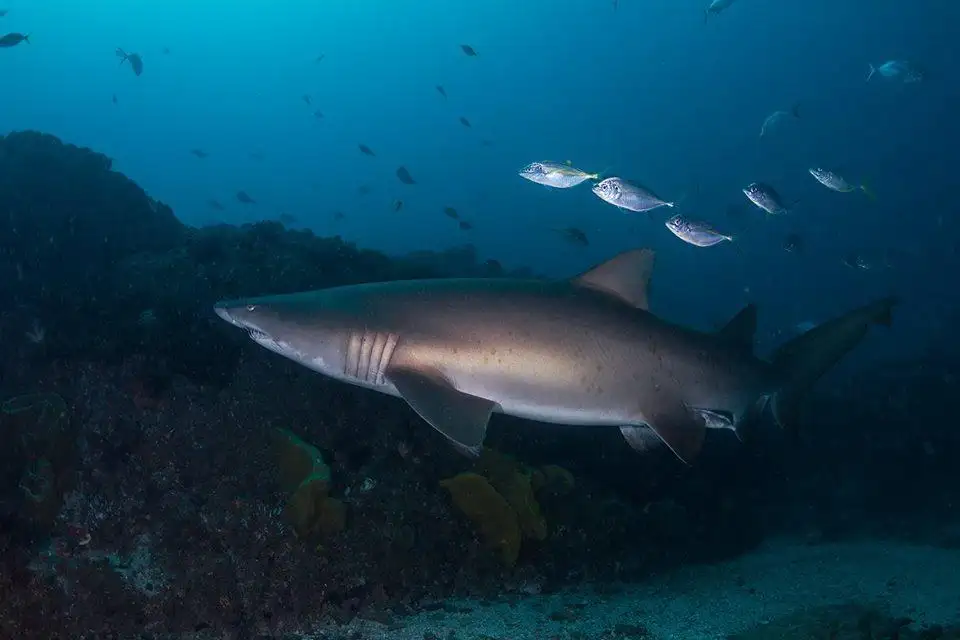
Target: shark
x: 582, y: 351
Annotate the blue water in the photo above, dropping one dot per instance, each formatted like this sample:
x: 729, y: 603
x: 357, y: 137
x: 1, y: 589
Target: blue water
x: 648, y: 92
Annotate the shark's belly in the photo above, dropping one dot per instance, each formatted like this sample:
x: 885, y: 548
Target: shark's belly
x: 537, y: 380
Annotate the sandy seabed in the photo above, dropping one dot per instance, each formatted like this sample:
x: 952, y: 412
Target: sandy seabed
x: 708, y: 602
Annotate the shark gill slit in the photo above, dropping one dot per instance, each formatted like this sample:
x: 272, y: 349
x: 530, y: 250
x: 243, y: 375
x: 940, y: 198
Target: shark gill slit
x: 368, y: 355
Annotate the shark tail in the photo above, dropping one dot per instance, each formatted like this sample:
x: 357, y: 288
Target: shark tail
x: 800, y: 362
x: 873, y: 70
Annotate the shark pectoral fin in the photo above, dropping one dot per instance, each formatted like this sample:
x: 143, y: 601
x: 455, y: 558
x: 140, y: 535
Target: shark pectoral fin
x: 625, y: 276
x: 740, y: 329
x: 680, y: 428
x: 461, y: 417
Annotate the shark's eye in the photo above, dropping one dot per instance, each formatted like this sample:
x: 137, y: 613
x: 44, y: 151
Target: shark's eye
x: 251, y: 307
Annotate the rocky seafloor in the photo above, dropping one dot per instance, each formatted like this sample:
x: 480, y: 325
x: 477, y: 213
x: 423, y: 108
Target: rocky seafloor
x: 163, y: 475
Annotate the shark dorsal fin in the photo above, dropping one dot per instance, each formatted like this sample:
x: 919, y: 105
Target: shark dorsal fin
x: 740, y: 329
x: 625, y: 276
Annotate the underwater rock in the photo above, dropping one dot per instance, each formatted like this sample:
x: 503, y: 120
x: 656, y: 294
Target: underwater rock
x: 100, y: 270
x: 38, y: 484
x: 552, y: 478
x: 40, y: 448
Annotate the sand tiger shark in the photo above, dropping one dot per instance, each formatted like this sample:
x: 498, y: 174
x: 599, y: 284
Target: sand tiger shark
x: 584, y: 351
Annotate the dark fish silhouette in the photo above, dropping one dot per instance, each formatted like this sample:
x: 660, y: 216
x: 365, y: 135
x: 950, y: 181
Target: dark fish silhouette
x: 397, y: 205
x: 450, y: 212
x: 136, y: 62
x: 166, y: 51
x: 465, y: 122
x: 200, y: 153
x: 470, y: 51
x: 364, y: 189
x: 13, y: 39
x: 114, y: 98
x: 465, y: 226
x: 575, y: 236
x: 320, y: 58
x: 306, y: 98
x: 793, y: 243
x: 4, y: 12
x: 243, y: 197
x: 318, y: 114
x: 441, y: 90
x: 338, y: 215
x: 365, y: 150
x: 215, y: 204
x: 405, y: 176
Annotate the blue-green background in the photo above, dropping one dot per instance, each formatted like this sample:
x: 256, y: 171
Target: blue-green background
x: 649, y: 92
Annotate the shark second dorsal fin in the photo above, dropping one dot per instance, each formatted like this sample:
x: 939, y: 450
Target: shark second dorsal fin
x: 625, y: 276
x: 740, y: 329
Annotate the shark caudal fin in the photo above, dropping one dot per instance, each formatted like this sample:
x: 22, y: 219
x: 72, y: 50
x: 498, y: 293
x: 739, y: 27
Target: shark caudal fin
x: 802, y: 361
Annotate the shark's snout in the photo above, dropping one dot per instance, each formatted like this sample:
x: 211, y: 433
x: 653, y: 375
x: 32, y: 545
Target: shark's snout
x: 236, y: 313
x: 223, y: 312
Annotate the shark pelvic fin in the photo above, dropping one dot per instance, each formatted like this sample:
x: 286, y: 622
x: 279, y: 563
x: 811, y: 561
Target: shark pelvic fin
x: 802, y: 361
x: 459, y: 416
x: 625, y: 276
x: 740, y: 329
x: 681, y: 428
x: 642, y: 439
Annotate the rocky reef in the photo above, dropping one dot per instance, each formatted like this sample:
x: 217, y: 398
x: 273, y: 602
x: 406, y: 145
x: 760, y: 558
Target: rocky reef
x: 162, y: 474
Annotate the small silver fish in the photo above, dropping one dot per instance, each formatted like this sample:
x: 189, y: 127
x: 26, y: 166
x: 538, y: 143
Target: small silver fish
x: 574, y: 235
x: 715, y: 7
x: 775, y: 118
x: 901, y: 70
x: 699, y: 234
x: 765, y: 197
x: 627, y: 195
x: 555, y: 174
x: 835, y: 182
x: 857, y: 261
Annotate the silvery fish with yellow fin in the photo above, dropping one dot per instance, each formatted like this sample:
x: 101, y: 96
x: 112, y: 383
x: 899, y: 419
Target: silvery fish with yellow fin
x: 556, y: 174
